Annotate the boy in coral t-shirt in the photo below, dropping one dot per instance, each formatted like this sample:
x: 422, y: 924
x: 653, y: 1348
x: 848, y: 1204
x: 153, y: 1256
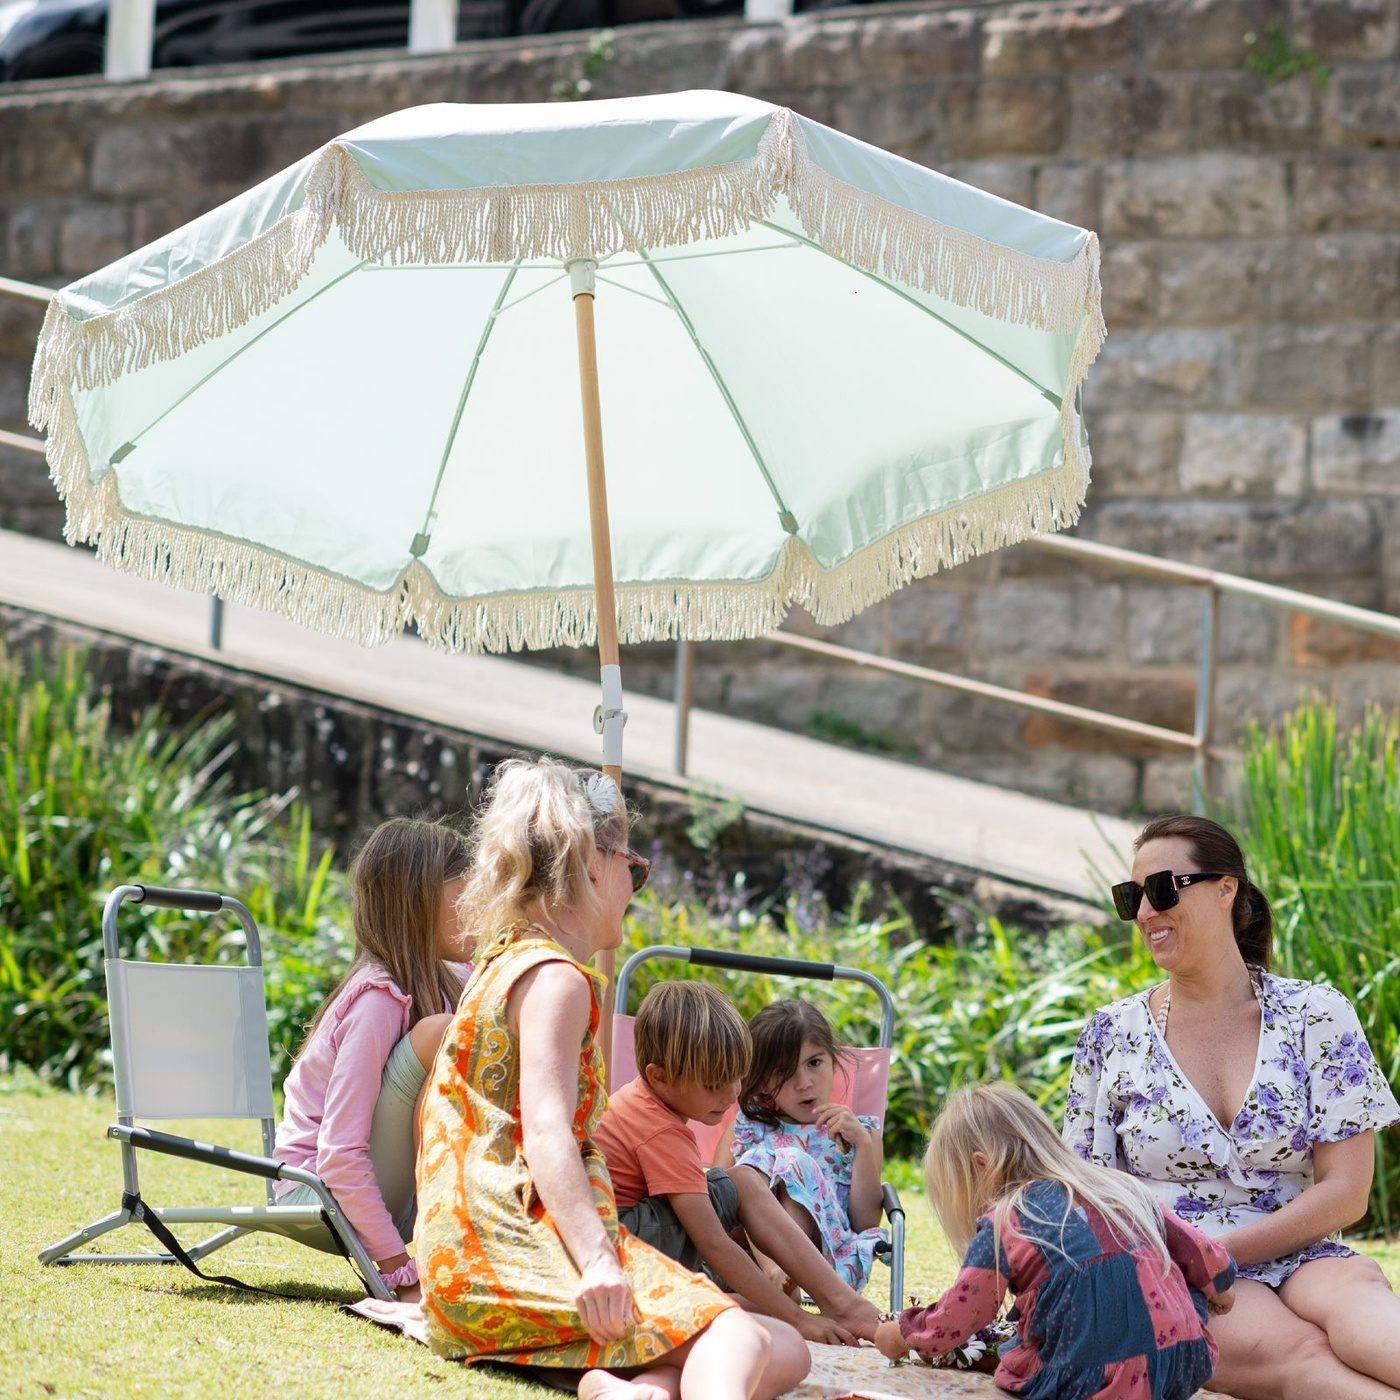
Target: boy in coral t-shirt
x: 692, y: 1050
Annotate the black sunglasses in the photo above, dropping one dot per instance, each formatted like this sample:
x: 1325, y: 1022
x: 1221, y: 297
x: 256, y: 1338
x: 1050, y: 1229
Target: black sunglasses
x: 638, y: 867
x: 1160, y: 888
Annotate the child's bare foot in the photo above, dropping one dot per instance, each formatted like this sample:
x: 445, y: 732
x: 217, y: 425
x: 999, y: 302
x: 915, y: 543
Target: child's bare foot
x: 659, y: 1383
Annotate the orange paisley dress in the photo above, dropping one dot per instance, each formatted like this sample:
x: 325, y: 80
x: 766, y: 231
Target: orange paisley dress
x: 497, y: 1282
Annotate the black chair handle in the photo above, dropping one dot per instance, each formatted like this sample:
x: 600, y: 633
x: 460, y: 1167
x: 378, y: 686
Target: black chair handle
x: 194, y: 1151
x: 752, y: 962
x: 201, y: 901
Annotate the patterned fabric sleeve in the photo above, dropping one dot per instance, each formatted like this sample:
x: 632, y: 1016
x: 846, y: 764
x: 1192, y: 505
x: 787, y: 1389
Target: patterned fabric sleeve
x: 969, y: 1305
x: 1349, y: 1093
x: 1090, y: 1131
x: 1206, y: 1265
x: 747, y: 1134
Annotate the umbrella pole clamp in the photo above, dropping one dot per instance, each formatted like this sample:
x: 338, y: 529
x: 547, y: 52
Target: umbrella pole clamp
x: 583, y: 273
x: 609, y: 718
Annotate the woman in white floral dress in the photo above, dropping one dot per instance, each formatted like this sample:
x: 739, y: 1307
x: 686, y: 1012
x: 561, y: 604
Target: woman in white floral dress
x: 1249, y: 1104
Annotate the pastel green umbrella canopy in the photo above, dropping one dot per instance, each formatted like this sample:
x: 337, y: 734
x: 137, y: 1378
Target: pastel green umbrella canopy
x: 352, y: 393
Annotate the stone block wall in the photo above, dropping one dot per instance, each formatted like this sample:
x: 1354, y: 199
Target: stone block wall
x: 1244, y: 415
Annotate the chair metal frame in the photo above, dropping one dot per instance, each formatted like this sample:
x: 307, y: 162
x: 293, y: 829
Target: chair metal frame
x: 321, y: 1226
x: 811, y: 971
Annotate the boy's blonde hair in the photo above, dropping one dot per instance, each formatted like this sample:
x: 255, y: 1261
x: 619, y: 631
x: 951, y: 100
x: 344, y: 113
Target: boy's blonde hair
x: 541, y: 825
x: 694, y: 1032
x: 1020, y: 1146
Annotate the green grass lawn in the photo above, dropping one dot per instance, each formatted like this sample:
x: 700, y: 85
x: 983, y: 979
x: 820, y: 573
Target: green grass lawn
x: 157, y: 1331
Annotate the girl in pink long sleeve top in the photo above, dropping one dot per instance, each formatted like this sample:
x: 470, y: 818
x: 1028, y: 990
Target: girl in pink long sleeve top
x: 350, y: 1100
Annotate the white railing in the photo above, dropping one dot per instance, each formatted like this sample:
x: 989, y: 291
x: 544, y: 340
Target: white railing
x: 432, y: 28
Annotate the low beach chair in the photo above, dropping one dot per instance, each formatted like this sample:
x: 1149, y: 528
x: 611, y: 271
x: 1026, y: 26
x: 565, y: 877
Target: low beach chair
x: 864, y: 1089
x: 190, y: 1041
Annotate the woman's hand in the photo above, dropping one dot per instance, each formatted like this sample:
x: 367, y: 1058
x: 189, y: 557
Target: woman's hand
x: 604, y: 1299
x: 842, y: 1124
x: 890, y: 1340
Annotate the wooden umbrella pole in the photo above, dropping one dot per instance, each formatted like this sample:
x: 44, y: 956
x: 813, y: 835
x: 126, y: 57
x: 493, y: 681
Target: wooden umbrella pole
x: 581, y: 274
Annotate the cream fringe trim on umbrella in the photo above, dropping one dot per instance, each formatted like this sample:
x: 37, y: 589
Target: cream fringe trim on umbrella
x: 499, y: 224
x: 503, y: 222
x: 206, y: 562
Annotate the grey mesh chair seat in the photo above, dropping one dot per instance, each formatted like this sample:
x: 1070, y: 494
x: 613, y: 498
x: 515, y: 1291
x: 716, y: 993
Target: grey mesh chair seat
x: 190, y: 1041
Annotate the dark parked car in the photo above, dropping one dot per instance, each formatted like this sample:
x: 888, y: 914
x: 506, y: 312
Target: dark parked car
x: 64, y: 38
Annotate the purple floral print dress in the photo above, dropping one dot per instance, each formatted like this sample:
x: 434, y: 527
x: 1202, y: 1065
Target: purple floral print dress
x: 1315, y: 1080
x: 816, y: 1170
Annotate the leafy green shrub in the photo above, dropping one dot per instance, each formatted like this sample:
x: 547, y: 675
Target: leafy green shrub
x: 1000, y: 1004
x: 1320, y: 827
x: 86, y: 804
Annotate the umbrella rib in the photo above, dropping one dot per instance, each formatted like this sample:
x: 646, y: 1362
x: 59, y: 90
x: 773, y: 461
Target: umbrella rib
x: 785, y: 516
x: 927, y: 310
x: 788, y: 247
x: 129, y: 446
x: 632, y: 291
x: 543, y: 287
x: 420, y: 541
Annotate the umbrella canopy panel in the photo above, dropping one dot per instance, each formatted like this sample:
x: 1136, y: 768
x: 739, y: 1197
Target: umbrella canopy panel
x: 394, y: 436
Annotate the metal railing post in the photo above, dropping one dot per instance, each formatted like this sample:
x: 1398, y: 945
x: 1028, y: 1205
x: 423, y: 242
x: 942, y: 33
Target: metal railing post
x: 130, y: 31
x: 216, y: 622
x: 432, y: 25
x: 1204, y: 731
x: 684, y: 693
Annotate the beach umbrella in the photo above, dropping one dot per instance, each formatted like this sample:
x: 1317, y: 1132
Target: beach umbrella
x: 352, y: 394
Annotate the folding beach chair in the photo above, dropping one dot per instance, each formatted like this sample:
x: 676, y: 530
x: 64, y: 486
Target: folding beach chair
x: 863, y: 1089
x: 190, y: 1041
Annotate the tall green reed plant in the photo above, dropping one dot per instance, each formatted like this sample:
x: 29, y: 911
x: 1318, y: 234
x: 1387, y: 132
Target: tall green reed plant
x: 1320, y: 827
x: 87, y: 803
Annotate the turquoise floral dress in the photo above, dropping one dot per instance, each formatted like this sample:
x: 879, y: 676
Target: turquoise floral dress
x: 1315, y: 1080
x: 816, y: 1170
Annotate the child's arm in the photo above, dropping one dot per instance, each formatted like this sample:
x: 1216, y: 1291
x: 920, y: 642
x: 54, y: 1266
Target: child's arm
x: 970, y: 1304
x: 736, y: 1267
x: 865, y: 1206
x: 1205, y: 1263
x: 364, y: 1038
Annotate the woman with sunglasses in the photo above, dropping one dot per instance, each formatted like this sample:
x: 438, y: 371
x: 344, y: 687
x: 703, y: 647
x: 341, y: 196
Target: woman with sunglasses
x: 519, y: 1253
x: 1248, y: 1103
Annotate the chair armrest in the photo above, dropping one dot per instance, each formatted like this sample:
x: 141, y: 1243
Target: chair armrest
x: 194, y: 1151
x: 889, y: 1197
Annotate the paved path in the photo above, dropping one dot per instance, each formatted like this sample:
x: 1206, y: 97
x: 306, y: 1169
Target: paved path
x: 1009, y: 836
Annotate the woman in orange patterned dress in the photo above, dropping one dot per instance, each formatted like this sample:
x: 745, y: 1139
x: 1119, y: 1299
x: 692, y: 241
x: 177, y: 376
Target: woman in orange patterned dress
x: 520, y: 1255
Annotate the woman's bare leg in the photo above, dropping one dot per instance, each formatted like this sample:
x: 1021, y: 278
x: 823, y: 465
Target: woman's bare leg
x: 1268, y: 1352
x: 655, y: 1383
x: 741, y: 1357
x: 1357, y: 1309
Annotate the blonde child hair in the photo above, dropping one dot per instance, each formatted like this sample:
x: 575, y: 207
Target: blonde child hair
x: 1018, y: 1145
x: 396, y: 882
x: 541, y: 825
x: 694, y: 1032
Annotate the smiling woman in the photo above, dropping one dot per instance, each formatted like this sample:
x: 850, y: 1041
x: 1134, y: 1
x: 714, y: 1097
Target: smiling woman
x: 1248, y: 1104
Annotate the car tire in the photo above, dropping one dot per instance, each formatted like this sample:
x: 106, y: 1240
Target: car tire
x: 704, y: 9
x: 549, y: 16
x: 66, y: 56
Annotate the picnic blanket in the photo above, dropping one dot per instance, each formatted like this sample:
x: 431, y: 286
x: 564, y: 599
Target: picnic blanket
x: 838, y: 1373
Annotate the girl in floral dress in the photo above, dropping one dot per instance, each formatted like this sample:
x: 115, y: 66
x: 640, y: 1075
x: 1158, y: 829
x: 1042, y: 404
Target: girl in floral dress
x: 820, y: 1159
x: 1112, y: 1292
x: 520, y: 1255
x: 1248, y: 1104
